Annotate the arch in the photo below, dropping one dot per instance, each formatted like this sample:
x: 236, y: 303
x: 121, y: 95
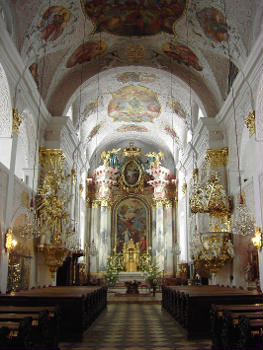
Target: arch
x: 5, y: 120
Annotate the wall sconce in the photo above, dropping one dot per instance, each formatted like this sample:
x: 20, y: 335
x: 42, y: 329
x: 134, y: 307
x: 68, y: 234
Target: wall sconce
x: 257, y: 238
x: 10, y: 241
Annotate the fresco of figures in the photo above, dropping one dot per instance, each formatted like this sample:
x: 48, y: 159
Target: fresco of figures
x: 134, y: 17
x: 181, y: 54
x: 134, y: 104
x: 131, y: 223
x: 86, y: 52
x: 53, y: 23
x: 213, y: 24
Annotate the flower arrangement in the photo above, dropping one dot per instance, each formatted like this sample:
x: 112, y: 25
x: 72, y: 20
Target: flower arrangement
x: 115, y: 264
x: 150, y: 270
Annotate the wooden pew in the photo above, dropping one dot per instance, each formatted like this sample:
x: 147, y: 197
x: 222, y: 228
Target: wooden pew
x: 37, y: 331
x: 79, y: 306
x: 216, y: 317
x: 190, y: 305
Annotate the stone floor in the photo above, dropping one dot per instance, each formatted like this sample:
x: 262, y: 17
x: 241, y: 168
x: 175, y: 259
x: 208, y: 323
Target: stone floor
x: 135, y: 327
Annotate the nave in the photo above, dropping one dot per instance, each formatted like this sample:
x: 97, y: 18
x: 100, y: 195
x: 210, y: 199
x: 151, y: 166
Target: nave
x: 135, y: 327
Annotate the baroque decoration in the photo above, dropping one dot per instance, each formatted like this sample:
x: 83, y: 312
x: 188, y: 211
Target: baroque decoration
x: 17, y: 120
x: 133, y: 18
x: 134, y: 104
x: 250, y: 122
x: 57, y: 236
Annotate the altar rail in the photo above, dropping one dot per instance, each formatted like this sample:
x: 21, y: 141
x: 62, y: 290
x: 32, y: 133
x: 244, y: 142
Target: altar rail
x: 190, y: 305
x: 79, y: 306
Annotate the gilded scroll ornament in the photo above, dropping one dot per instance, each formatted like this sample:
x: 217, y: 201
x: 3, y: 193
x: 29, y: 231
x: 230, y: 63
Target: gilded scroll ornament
x: 17, y: 120
x: 160, y: 202
x: 250, y: 122
x: 217, y: 157
x: 51, y: 157
x: 155, y: 159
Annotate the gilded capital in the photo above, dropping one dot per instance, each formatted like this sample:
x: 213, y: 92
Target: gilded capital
x: 160, y: 202
x: 250, y: 122
x: 217, y: 156
x: 17, y: 120
x: 51, y: 157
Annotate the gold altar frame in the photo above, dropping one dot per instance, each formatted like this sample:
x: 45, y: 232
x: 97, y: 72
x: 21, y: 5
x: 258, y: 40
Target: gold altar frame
x: 114, y: 228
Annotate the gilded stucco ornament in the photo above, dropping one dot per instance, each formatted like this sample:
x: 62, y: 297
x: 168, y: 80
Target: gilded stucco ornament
x: 17, y: 120
x: 51, y: 157
x: 217, y: 157
x: 250, y: 122
x: 184, y: 189
x: 163, y: 202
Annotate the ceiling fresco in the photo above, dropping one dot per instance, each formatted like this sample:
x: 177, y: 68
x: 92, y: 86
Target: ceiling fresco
x: 132, y: 127
x: 85, y: 52
x: 141, y: 77
x: 134, y: 104
x: 137, y: 65
x: 134, y: 17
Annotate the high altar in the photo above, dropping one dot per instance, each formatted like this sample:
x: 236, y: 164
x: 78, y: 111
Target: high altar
x: 132, y: 209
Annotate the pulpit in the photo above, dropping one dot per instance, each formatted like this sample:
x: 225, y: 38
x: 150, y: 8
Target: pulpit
x: 131, y: 253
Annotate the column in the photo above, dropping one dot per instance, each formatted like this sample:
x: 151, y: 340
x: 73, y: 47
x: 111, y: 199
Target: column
x: 17, y: 119
x: 94, y: 236
x: 168, y: 229
x: 104, y: 233
x: 159, y: 235
x: 154, y: 240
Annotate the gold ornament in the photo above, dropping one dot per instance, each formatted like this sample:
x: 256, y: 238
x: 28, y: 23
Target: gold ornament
x: 51, y: 157
x: 250, y: 122
x: 17, y: 120
x: 217, y: 157
x: 184, y: 189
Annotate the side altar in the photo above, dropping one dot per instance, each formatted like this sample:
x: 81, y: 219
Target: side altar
x: 131, y: 200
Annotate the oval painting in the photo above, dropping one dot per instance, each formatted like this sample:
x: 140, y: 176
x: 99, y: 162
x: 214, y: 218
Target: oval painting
x: 134, y: 104
x: 131, y: 173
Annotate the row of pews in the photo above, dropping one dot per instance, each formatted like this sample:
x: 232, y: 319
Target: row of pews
x: 191, y: 305
x: 46, y: 316
x: 237, y: 327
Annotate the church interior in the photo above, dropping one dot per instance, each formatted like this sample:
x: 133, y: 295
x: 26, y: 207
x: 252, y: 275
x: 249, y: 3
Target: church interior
x: 131, y: 174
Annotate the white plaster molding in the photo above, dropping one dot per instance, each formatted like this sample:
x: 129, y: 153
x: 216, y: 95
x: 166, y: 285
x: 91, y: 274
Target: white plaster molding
x: 15, y: 68
x: 251, y: 72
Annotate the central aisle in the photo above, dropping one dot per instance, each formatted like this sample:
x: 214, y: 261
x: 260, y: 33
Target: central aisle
x: 135, y: 327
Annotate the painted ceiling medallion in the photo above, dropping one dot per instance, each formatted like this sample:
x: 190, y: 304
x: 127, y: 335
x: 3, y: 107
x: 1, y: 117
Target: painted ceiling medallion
x: 170, y: 131
x: 213, y: 24
x: 132, y: 127
x: 182, y: 54
x: 95, y: 131
x: 134, y: 104
x: 133, y: 17
x: 53, y: 23
x: 85, y: 52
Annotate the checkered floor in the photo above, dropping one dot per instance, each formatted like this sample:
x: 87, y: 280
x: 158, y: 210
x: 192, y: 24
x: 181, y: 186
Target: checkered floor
x: 135, y: 327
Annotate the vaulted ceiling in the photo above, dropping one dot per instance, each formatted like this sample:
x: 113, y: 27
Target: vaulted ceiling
x: 135, y: 69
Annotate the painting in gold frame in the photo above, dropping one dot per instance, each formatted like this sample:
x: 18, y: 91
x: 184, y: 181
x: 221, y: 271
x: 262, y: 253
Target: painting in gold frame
x: 131, y: 220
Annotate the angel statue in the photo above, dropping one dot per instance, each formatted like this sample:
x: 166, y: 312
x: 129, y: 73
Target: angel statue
x: 154, y: 160
x: 110, y: 158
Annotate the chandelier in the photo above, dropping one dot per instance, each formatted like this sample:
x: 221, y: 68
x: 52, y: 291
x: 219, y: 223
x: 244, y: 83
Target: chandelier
x: 243, y: 223
x: 209, y: 197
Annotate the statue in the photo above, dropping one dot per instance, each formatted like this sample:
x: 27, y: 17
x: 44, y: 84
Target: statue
x: 154, y: 159
x: 110, y: 158
x: 131, y: 253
